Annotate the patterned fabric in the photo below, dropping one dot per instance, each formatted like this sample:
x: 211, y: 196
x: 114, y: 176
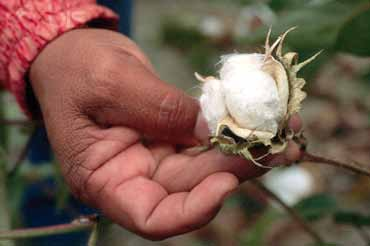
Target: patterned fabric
x: 26, y: 26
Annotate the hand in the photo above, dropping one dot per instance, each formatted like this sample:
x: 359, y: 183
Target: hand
x: 117, y: 131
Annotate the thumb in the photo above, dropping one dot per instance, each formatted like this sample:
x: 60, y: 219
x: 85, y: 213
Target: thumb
x: 140, y: 100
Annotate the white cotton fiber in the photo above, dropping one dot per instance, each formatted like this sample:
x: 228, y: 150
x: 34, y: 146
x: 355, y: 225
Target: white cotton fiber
x: 251, y: 95
x: 212, y: 103
x: 291, y: 184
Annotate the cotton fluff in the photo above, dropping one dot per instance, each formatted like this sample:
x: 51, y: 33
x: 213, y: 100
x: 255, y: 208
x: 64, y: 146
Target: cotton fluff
x: 291, y: 184
x: 251, y: 95
x: 212, y: 103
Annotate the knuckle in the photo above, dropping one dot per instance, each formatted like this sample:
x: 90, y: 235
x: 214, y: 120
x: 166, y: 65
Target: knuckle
x: 170, y: 110
x: 173, y: 113
x: 103, y: 67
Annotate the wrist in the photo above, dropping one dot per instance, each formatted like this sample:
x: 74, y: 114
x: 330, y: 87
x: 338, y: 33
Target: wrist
x: 48, y: 74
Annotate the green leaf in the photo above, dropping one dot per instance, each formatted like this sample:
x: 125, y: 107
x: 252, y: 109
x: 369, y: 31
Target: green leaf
x: 354, y: 35
x: 247, y: 2
x: 324, y: 244
x: 256, y: 235
x: 316, y: 207
x: 248, y: 204
x: 202, y: 58
x: 180, y: 35
x: 61, y: 187
x: 351, y: 218
x: 318, y: 27
x: 353, y: 1
x: 288, y: 5
x: 279, y: 5
x: 16, y: 186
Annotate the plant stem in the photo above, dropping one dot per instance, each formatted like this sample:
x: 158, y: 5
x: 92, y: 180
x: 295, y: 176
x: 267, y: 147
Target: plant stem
x: 363, y: 234
x: 22, y: 155
x: 5, y: 221
x: 4, y: 211
x: 16, y: 122
x: 85, y: 223
x: 93, y: 239
x: 350, y: 166
x: 295, y: 216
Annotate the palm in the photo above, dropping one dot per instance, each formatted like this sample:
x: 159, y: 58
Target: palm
x: 153, y: 187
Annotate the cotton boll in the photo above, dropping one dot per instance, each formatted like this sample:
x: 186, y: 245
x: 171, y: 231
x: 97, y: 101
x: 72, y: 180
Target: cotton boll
x: 212, y: 103
x: 251, y: 95
x: 291, y: 184
x: 251, y: 103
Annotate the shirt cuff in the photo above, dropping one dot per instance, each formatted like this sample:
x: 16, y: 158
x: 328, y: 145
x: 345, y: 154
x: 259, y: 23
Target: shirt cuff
x: 29, y: 29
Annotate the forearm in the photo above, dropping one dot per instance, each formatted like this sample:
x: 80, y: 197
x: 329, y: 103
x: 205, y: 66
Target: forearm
x: 26, y: 27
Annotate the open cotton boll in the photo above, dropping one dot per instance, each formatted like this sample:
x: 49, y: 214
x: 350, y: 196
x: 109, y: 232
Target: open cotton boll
x: 249, y: 106
x: 251, y: 95
x: 212, y: 103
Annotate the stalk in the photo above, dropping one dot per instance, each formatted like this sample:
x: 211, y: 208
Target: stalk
x: 4, y: 211
x: 93, y: 239
x: 354, y: 167
x: 78, y: 225
x: 5, y: 223
x: 292, y: 213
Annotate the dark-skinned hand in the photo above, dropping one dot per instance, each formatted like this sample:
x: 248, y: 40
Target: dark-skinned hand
x: 117, y: 130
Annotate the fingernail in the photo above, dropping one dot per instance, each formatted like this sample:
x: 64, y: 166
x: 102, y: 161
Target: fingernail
x: 201, y: 130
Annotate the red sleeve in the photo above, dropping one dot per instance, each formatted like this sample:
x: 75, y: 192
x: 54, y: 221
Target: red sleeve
x: 26, y: 26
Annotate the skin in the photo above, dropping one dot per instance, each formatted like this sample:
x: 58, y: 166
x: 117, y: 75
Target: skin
x: 119, y: 133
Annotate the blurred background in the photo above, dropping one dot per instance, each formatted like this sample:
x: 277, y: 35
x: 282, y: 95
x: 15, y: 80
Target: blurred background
x: 186, y: 36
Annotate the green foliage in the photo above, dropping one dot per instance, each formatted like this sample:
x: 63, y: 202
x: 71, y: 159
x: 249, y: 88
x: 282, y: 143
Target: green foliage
x: 341, y: 25
x: 179, y: 35
x: 201, y: 52
x: 366, y: 77
x: 318, y: 26
x: 16, y: 186
x: 203, y: 57
x: 322, y: 25
x: 279, y: 5
x: 255, y: 236
x: 352, y: 1
x: 61, y: 187
x: 354, y: 35
x: 249, y: 205
x: 316, y: 207
x: 324, y: 244
x: 247, y: 2
x: 351, y: 218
